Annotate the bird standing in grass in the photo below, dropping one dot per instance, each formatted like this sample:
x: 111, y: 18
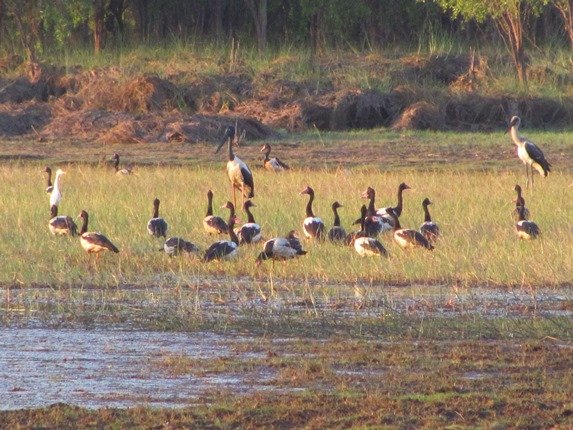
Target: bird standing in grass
x: 374, y: 224
x: 429, y: 228
x: 251, y: 231
x: 383, y: 212
x: 224, y: 249
x: 273, y: 164
x: 365, y: 245
x: 240, y: 175
x: 62, y: 224
x: 519, y: 201
x: 336, y: 233
x: 312, y: 226
x: 118, y: 170
x: 157, y: 226
x: 213, y: 224
x: 93, y: 242
x: 177, y: 246
x: 526, y: 229
x: 528, y: 152
x: 279, y: 248
x: 56, y: 194
x: 408, y: 238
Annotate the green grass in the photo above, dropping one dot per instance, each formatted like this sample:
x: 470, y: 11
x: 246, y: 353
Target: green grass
x: 473, y: 209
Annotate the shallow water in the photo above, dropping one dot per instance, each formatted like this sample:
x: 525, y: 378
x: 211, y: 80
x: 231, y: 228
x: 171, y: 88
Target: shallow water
x: 106, y: 368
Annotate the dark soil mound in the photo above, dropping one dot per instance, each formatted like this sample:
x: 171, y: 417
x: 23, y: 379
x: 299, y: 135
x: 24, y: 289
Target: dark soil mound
x: 420, y: 116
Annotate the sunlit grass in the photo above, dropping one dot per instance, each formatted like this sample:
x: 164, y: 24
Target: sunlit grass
x: 473, y: 209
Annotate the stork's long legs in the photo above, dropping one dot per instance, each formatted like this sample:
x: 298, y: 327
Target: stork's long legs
x: 234, y: 195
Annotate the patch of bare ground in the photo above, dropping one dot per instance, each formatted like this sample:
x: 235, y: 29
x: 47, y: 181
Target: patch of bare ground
x: 107, y: 106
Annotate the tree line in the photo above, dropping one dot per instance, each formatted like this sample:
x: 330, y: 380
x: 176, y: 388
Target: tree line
x: 37, y: 26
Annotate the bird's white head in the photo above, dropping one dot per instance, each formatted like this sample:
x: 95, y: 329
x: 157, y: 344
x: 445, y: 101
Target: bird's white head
x: 60, y: 172
x: 515, y: 122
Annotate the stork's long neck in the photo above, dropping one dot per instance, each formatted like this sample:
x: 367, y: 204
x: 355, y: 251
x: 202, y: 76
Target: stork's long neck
x: 57, y: 183
x: 230, y: 145
x: 268, y: 154
x: 398, y: 208
x: 116, y: 164
x: 517, y: 139
x: 156, y: 210
x: 49, y: 178
x: 336, y: 217
x: 250, y: 217
x: 427, y: 217
x: 54, y: 211
x: 519, y: 201
x: 309, y: 212
x: 84, y: 228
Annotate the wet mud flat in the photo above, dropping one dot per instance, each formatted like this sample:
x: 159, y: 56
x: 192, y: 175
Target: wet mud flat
x: 170, y: 348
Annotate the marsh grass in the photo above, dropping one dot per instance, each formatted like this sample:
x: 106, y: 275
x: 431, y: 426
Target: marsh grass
x: 473, y: 209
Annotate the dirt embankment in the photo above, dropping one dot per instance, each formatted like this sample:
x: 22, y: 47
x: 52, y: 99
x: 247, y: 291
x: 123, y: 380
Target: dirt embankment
x: 101, y: 105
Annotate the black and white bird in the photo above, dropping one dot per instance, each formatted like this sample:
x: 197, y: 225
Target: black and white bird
x: 61, y: 225
x: 179, y: 246
x: 120, y: 170
x: 93, y: 242
x: 429, y: 228
x: 251, y: 231
x: 213, y: 224
x: 519, y: 201
x: 312, y: 226
x: 56, y: 194
x: 526, y: 229
x: 374, y: 223
x: 365, y: 245
x: 273, y: 163
x: 408, y: 238
x: 240, y: 175
x: 279, y: 248
x: 224, y: 249
x: 294, y: 240
x: 336, y: 234
x: 49, y: 185
x: 157, y: 226
x: 528, y: 152
x: 383, y: 212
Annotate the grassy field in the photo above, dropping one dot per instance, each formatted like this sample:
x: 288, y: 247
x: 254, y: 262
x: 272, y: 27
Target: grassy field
x: 474, y: 334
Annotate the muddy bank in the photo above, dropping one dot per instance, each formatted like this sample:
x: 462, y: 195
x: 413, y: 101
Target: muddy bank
x: 51, y: 102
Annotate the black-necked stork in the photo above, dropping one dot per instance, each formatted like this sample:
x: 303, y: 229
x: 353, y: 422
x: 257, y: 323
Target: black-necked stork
x: 365, y: 245
x: 312, y: 226
x: 374, y: 223
x: 56, y: 194
x: 240, y: 175
x: 49, y: 185
x: 273, y: 163
x: 519, y: 201
x: 279, y: 248
x: 93, y: 242
x: 62, y: 224
x: 118, y: 170
x: 526, y: 229
x: 528, y: 152
x: 408, y: 238
x: 224, y: 249
x: 383, y: 212
x: 213, y: 224
x: 429, y: 228
x: 178, y: 246
x: 251, y: 231
x: 157, y: 226
x: 336, y: 233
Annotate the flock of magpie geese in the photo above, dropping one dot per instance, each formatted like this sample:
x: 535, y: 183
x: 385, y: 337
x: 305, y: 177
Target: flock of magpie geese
x: 373, y: 221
